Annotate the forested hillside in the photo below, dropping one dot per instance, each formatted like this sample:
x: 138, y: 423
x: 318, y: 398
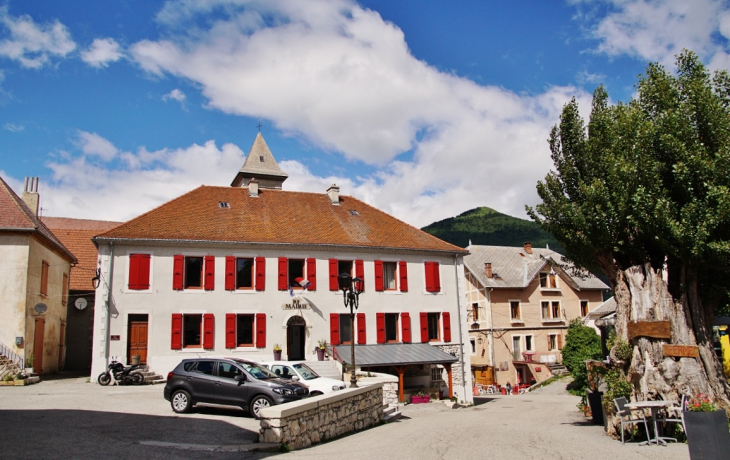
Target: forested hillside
x: 489, y: 227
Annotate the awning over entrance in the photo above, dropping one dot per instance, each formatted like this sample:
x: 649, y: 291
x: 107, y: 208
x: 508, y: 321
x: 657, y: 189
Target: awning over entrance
x: 399, y: 356
x: 394, y: 354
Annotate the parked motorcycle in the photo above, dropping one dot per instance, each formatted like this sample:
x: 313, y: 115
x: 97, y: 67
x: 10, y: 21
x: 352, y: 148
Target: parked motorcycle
x: 123, y: 375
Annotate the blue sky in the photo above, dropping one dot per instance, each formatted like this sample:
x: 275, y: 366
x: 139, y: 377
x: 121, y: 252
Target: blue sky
x: 424, y: 109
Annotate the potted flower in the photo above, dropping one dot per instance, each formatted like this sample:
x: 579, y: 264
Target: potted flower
x: 420, y: 398
x: 29, y: 363
x: 321, y: 348
x: 277, y: 352
x: 707, y: 432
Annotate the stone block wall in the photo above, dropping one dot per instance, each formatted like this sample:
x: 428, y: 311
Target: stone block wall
x: 310, y: 421
x: 390, y: 393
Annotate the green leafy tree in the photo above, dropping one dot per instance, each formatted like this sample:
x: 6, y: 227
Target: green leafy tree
x: 581, y: 343
x: 642, y: 193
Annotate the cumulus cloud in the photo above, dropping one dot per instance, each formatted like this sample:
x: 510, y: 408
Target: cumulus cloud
x: 95, y: 145
x: 657, y: 30
x: 341, y: 77
x: 31, y: 44
x: 146, y: 179
x: 175, y: 95
x: 101, y: 52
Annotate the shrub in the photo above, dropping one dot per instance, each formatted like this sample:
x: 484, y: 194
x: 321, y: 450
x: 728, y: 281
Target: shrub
x: 581, y: 343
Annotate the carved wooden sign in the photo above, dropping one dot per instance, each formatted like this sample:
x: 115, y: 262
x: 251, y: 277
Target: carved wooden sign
x: 653, y: 329
x: 681, y: 351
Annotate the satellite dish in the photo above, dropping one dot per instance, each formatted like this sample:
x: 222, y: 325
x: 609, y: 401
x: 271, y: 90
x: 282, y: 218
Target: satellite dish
x: 80, y: 303
x: 40, y: 308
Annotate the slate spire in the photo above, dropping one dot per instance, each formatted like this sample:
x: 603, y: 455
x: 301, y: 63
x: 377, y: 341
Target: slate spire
x: 260, y: 164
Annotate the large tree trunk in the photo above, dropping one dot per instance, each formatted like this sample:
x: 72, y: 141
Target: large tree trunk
x: 642, y: 294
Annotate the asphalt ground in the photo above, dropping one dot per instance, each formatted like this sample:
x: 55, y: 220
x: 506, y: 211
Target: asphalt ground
x: 68, y: 418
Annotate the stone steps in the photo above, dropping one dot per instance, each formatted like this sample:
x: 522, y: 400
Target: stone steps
x: 328, y: 368
x: 557, y: 369
x: 391, y: 414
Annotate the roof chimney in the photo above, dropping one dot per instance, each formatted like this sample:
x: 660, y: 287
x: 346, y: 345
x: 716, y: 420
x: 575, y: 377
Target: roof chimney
x: 253, y: 187
x: 30, y: 194
x: 528, y: 247
x: 334, y: 193
x: 488, y: 270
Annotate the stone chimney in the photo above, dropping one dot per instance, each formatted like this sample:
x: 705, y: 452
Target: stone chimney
x: 528, y: 247
x: 334, y: 194
x: 488, y: 270
x: 30, y: 194
x: 253, y: 188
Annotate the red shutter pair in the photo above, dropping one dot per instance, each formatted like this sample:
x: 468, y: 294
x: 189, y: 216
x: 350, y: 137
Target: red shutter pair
x: 335, y: 329
x: 208, y: 331
x: 445, y: 318
x: 139, y: 272
x: 311, y: 269
x: 433, y: 278
x: 402, y: 275
x: 260, y: 273
x: 405, y: 320
x: 260, y: 330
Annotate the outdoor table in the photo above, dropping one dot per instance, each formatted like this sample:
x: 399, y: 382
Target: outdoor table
x: 654, y: 406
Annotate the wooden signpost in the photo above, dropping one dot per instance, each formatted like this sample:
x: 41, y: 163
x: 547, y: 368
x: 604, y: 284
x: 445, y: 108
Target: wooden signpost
x: 681, y: 351
x: 653, y: 329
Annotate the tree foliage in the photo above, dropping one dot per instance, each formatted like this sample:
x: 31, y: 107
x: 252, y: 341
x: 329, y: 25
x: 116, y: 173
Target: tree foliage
x: 581, y: 343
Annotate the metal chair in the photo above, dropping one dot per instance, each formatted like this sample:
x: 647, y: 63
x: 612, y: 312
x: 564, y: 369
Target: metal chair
x: 623, y: 411
x: 675, y: 414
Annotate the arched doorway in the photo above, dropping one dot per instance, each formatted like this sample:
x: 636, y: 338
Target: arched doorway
x: 295, y: 337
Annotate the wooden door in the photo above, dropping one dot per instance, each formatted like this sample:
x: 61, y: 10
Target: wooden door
x: 38, y: 346
x: 137, y: 341
x: 62, y: 345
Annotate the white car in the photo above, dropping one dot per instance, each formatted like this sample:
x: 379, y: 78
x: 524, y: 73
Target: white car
x: 300, y: 372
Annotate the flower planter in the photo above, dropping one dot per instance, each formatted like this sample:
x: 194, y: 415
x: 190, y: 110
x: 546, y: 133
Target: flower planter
x: 707, y: 435
x: 20, y: 382
x: 320, y: 354
x: 277, y: 355
x: 420, y: 399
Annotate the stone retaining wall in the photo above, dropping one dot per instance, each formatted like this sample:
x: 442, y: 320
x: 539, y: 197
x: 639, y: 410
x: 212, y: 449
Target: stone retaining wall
x: 303, y: 423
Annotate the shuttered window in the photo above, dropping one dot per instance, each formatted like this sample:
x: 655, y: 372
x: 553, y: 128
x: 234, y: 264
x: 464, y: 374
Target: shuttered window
x: 139, y: 272
x: 245, y: 330
x: 433, y: 278
x: 361, y: 331
x: 406, y: 324
x: 44, y: 278
x: 245, y: 273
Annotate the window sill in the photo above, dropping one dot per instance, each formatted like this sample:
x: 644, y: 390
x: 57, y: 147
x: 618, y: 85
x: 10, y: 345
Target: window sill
x: 551, y: 320
x: 516, y: 321
x: 544, y: 289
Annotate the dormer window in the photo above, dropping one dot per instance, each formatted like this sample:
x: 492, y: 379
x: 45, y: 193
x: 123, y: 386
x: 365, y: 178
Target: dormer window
x: 224, y: 205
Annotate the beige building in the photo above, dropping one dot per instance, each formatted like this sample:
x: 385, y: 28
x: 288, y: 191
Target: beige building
x: 34, y: 283
x: 520, y: 302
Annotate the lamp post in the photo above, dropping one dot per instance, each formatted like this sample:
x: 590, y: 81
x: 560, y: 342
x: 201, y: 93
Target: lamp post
x: 351, y: 290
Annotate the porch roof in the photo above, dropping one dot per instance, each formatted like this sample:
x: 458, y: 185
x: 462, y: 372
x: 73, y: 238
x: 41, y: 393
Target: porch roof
x: 394, y: 354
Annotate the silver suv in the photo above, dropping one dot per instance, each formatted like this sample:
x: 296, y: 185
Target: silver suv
x: 228, y: 381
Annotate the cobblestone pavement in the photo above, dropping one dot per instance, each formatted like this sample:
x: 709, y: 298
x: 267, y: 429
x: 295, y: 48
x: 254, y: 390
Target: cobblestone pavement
x: 70, y: 418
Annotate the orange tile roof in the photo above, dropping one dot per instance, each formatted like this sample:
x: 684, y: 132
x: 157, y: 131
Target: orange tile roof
x: 76, y: 235
x: 276, y: 216
x: 16, y: 216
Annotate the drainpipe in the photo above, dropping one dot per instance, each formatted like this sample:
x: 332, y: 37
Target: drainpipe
x: 109, y: 304
x: 461, y: 337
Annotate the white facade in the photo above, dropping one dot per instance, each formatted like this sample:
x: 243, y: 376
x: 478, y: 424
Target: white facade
x: 160, y: 302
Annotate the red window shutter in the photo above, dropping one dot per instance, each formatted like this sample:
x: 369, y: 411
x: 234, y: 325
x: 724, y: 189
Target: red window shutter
x: 144, y: 271
x: 405, y: 320
x: 380, y: 326
x: 208, y: 329
x: 283, y: 274
x: 360, y: 273
x: 260, y: 273
x: 260, y: 330
x: 433, y: 282
x: 361, y: 335
x: 312, y: 274
x: 378, y: 275
x: 403, y: 273
x: 230, y: 330
x: 176, y: 341
x: 334, y: 329
x: 437, y: 277
x: 177, y: 273
x: 133, y: 271
x: 424, y: 327
x: 230, y: 273
x: 447, y: 326
x: 209, y: 282
x: 334, y: 285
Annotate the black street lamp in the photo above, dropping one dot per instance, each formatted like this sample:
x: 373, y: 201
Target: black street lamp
x: 351, y: 290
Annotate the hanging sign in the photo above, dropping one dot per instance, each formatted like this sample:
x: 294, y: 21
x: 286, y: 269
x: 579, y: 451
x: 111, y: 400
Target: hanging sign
x: 297, y: 303
x: 681, y: 351
x: 653, y: 329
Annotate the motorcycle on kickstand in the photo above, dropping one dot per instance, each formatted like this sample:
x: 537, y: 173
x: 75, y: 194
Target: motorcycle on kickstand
x: 121, y: 374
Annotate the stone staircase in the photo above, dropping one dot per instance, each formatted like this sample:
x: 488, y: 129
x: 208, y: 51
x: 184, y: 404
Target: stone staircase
x: 391, y: 413
x: 151, y: 377
x: 8, y: 367
x: 557, y: 369
x: 328, y: 368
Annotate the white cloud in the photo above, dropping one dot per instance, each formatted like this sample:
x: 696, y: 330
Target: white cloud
x: 32, y: 44
x: 101, y: 52
x: 175, y: 95
x: 13, y: 128
x: 657, y: 30
x: 343, y: 78
x: 93, y: 144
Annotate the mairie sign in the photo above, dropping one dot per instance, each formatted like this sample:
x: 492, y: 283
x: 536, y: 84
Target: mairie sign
x: 297, y: 303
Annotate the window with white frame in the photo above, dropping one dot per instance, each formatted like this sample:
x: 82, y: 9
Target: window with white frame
x: 437, y: 373
x: 555, y: 342
x: 390, y: 270
x: 550, y: 310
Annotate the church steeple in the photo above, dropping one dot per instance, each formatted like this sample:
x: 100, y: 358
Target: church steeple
x: 260, y: 164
